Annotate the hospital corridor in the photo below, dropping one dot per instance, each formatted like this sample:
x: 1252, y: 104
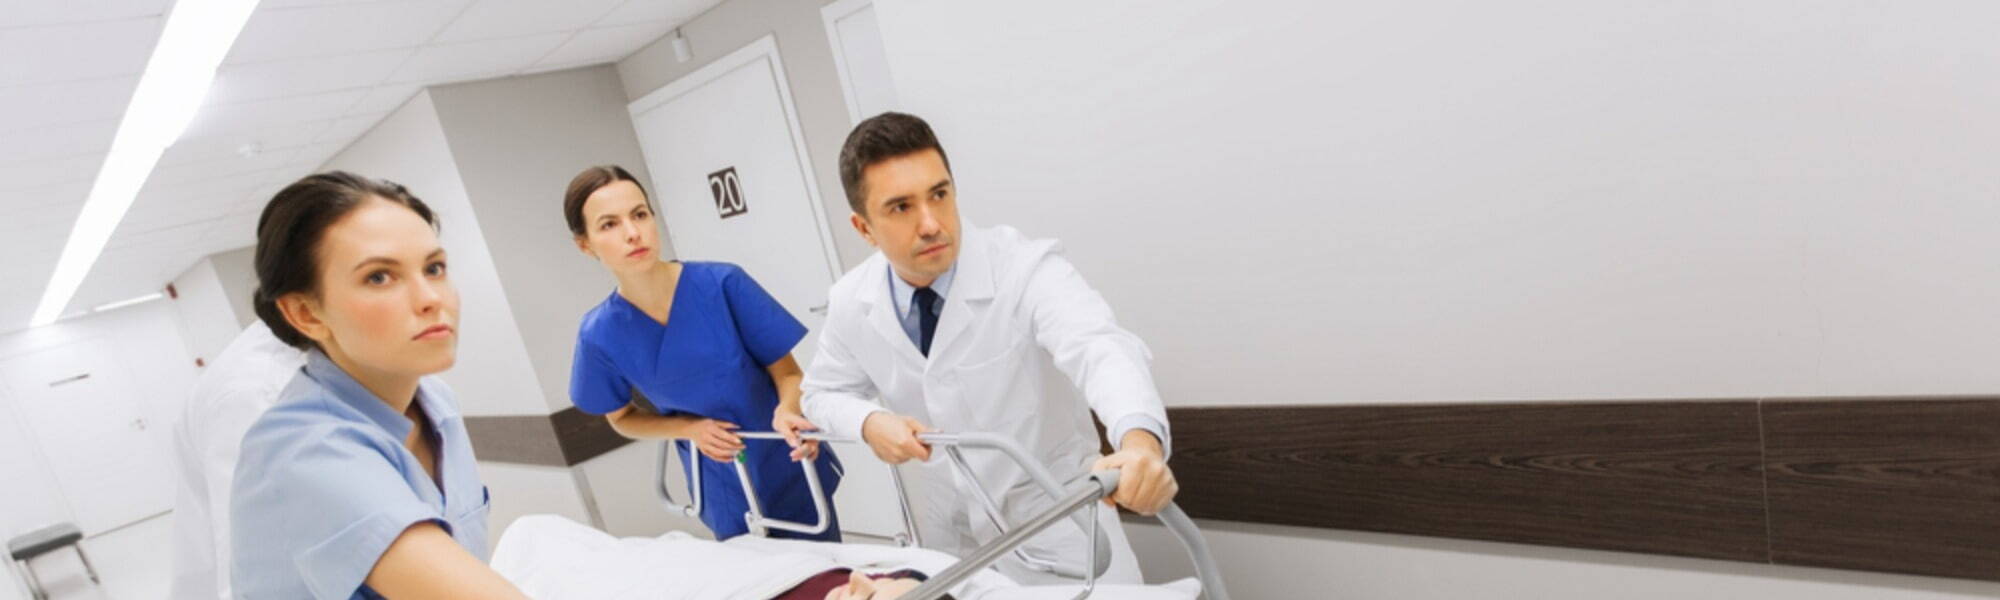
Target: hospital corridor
x: 975, y: 300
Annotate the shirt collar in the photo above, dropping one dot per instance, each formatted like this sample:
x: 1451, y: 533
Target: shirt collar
x: 346, y: 390
x: 901, y: 291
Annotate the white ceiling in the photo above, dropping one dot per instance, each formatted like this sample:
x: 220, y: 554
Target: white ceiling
x: 305, y: 78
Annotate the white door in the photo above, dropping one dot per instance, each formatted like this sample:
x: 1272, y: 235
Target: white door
x: 93, y: 435
x: 859, y: 57
x: 732, y: 184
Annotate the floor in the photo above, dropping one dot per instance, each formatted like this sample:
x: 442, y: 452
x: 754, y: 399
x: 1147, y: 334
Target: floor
x: 129, y: 560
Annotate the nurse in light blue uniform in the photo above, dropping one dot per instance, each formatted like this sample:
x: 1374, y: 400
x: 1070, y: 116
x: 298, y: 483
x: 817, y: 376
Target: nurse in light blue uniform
x: 326, y: 484
x: 359, y: 482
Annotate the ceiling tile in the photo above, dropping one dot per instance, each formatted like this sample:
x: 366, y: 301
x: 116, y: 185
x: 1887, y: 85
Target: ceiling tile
x: 59, y: 141
x: 14, y: 203
x: 207, y: 173
x: 490, y: 19
x: 346, y: 129
x: 477, y: 60
x: 606, y: 44
x: 30, y: 13
x: 279, y: 33
x: 273, y: 139
x: 36, y: 174
x: 89, y: 51
x: 640, y: 11
x: 385, y: 98
x: 222, y: 119
x: 278, y: 79
x: 63, y: 103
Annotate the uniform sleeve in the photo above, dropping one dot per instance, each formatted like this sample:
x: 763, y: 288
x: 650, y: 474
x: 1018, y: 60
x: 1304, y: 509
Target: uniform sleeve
x: 1109, y: 364
x: 767, y: 330
x: 229, y: 417
x: 595, y: 386
x: 838, y: 395
x: 316, y: 507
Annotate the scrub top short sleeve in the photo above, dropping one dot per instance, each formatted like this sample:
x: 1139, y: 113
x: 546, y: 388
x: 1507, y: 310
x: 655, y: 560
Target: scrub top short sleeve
x: 768, y: 331
x: 328, y: 505
x: 595, y: 385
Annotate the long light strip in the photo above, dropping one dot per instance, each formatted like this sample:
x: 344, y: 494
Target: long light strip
x: 129, y: 302
x: 197, y: 36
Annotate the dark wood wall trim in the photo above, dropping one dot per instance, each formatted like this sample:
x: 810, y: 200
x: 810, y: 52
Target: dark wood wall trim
x: 1906, y: 485
x: 565, y: 438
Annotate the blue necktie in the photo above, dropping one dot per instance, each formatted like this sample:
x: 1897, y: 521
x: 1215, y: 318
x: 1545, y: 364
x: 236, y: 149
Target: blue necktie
x: 927, y: 318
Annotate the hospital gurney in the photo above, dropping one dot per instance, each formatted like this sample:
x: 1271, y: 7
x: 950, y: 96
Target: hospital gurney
x: 1084, y: 493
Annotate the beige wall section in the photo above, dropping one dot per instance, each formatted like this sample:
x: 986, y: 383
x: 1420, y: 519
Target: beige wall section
x: 809, y: 71
x: 517, y: 142
x: 494, y: 375
x: 238, y: 272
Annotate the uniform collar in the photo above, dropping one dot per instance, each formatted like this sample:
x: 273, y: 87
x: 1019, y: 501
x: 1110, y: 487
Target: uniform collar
x: 347, y: 391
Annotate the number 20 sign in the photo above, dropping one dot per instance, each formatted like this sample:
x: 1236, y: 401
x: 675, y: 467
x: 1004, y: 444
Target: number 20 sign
x: 728, y: 192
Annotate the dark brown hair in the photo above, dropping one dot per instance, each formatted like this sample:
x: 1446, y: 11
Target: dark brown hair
x: 587, y: 183
x: 290, y: 230
x: 882, y: 137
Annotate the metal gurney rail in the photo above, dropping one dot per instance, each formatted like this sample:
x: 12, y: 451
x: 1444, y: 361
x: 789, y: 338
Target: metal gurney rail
x: 1083, y: 493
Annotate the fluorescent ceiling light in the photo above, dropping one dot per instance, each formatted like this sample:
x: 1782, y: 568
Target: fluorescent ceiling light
x: 124, y: 303
x: 197, y: 36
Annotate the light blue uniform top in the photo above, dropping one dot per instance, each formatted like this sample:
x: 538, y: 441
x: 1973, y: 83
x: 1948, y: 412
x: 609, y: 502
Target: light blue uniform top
x: 324, y: 485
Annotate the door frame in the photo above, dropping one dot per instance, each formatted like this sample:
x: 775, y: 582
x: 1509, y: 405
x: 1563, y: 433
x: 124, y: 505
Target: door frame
x: 831, y: 15
x: 765, y: 48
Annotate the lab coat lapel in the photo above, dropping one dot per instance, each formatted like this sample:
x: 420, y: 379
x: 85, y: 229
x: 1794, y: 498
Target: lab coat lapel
x: 971, y: 286
x: 882, y: 315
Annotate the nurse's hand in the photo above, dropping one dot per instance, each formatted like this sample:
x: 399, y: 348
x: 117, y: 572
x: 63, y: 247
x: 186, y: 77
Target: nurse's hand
x: 791, y: 424
x: 1145, y: 484
x: 893, y: 437
x: 716, y: 439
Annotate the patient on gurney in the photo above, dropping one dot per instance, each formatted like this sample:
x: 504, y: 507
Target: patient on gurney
x: 550, y: 557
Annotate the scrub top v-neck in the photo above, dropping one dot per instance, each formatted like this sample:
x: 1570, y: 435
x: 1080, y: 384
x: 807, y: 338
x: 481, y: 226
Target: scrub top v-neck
x: 707, y: 360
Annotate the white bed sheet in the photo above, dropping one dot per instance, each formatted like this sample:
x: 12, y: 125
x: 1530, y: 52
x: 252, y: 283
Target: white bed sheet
x: 553, y: 558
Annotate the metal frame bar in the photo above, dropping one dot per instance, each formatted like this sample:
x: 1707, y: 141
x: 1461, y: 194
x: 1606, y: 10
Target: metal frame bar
x: 1081, y: 494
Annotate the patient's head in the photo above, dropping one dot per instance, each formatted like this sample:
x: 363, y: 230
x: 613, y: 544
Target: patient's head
x: 861, y: 586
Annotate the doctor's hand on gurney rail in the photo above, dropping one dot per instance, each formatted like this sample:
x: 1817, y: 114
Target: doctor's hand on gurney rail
x: 893, y: 437
x: 1145, y: 484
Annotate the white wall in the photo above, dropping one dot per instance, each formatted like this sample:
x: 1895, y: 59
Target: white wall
x: 1461, y: 200
x: 494, y: 375
x: 1451, y: 200
x: 516, y: 142
x: 238, y: 274
x: 157, y: 372
x: 206, y: 316
x: 809, y: 72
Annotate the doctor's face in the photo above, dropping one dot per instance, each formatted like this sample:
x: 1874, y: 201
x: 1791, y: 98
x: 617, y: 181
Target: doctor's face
x: 618, y: 228
x: 912, y: 214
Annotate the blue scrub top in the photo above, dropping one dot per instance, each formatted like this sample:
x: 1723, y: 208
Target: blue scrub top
x: 709, y: 360
x: 324, y: 485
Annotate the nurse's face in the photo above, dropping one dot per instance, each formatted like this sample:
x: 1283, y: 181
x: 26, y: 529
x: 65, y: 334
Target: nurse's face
x: 618, y: 228
x: 912, y: 214
x: 385, y: 303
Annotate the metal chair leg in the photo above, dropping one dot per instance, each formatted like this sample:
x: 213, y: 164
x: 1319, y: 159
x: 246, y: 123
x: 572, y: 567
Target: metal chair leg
x: 34, y: 583
x: 87, y: 567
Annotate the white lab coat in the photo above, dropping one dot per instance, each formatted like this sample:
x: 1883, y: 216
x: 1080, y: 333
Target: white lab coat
x: 235, y: 389
x: 1015, y: 309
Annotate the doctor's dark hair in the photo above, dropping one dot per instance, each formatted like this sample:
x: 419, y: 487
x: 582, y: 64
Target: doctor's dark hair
x: 291, y: 228
x: 880, y: 138
x: 587, y: 183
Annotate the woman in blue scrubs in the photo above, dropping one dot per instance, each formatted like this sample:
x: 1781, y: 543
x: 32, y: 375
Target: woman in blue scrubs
x: 360, y: 482
x: 706, y: 347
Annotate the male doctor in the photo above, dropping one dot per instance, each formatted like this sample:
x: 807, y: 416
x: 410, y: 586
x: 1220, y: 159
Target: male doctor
x: 955, y: 329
